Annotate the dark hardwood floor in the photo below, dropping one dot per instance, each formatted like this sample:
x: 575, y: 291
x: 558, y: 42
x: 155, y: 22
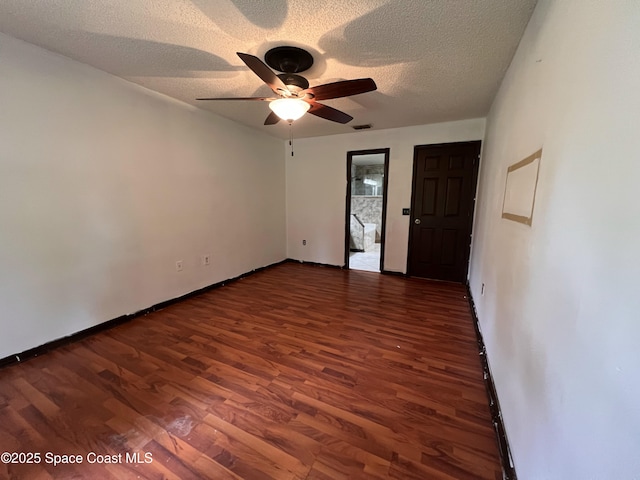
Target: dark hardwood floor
x: 296, y: 372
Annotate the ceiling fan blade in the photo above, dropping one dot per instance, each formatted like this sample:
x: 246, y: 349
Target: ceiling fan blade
x: 329, y: 113
x: 265, y: 73
x: 344, y: 88
x: 263, y: 99
x: 272, y: 119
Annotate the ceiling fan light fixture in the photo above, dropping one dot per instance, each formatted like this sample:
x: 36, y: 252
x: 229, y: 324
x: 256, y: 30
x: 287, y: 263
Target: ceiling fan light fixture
x: 289, y: 109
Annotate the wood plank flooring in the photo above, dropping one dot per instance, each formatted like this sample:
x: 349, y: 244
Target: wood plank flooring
x: 296, y: 372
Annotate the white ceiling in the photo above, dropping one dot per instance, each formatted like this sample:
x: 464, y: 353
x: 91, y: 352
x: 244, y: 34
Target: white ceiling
x: 433, y: 60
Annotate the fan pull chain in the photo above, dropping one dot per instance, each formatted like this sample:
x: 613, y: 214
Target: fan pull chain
x: 291, y: 137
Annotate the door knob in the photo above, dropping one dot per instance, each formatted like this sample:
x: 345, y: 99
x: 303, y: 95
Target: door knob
x: 417, y: 221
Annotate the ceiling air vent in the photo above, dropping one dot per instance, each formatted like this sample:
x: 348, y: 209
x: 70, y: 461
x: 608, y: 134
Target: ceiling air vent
x: 362, y: 127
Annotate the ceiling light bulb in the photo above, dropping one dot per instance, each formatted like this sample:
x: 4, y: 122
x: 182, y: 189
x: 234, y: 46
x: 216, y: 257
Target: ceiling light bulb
x: 289, y: 109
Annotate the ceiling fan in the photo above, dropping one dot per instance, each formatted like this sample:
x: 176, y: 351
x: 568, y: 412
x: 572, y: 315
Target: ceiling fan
x: 294, y: 96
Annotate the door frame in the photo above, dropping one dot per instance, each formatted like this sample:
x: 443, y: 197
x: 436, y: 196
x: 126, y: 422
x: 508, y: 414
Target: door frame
x: 347, y: 218
x: 476, y: 168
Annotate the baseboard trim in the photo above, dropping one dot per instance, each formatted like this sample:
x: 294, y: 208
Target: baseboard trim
x: 391, y: 272
x: 508, y: 470
x: 74, y: 337
x: 315, y: 264
x: 342, y: 267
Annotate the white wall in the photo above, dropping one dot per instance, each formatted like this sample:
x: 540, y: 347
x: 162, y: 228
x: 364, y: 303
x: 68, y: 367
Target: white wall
x: 317, y: 187
x: 561, y: 311
x: 104, y: 185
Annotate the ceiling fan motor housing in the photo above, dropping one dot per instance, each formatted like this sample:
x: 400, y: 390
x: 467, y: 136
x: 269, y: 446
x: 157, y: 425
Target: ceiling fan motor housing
x: 293, y: 80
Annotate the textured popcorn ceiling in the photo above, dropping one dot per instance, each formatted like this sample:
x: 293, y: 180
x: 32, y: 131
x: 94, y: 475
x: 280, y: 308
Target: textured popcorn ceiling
x: 433, y: 60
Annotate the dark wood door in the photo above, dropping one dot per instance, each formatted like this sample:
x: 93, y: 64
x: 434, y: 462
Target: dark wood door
x: 443, y: 196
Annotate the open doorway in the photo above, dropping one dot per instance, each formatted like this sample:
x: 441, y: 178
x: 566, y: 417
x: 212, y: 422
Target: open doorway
x: 366, y: 208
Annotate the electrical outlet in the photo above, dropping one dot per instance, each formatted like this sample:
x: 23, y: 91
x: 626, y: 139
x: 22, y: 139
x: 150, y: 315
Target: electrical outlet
x: 179, y: 265
x: 304, y: 242
x: 206, y: 260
